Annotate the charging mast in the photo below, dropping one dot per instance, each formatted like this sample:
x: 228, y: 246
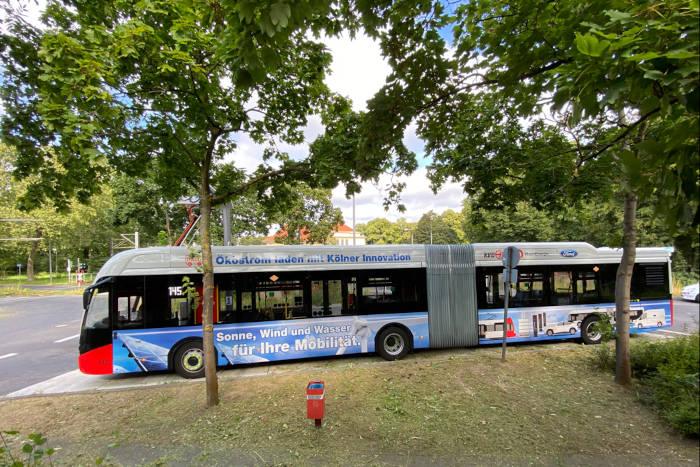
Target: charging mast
x: 511, y: 258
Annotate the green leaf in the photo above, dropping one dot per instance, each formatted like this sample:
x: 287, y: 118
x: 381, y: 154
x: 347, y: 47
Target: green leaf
x: 618, y: 16
x: 631, y: 165
x: 27, y: 448
x: 279, y: 14
x: 681, y: 54
x: 644, y: 56
x: 654, y: 74
x: 589, y: 45
x: 37, y: 438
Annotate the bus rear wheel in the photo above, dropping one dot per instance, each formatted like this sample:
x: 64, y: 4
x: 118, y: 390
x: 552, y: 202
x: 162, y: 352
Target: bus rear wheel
x: 189, y: 360
x: 589, y: 332
x: 392, y: 343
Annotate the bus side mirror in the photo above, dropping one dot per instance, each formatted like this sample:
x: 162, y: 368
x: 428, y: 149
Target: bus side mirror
x: 86, y: 298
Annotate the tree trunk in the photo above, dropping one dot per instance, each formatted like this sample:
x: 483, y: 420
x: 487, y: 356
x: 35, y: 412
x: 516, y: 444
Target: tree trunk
x: 32, y: 255
x: 623, y: 369
x: 210, y: 356
x: 167, y: 225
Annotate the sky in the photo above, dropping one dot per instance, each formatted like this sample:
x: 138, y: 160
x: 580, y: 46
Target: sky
x: 358, y: 70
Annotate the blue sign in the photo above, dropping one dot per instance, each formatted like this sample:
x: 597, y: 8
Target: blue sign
x: 569, y: 253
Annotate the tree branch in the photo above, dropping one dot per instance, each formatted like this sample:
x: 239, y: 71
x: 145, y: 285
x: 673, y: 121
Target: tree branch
x: 619, y: 137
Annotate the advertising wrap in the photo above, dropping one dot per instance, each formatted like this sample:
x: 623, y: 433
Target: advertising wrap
x: 268, y: 341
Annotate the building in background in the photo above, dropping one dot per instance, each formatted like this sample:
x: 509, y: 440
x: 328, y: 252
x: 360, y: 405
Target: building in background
x: 342, y: 235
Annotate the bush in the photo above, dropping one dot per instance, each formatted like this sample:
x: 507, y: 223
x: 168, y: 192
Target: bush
x: 29, y: 451
x: 603, y: 357
x: 668, y: 371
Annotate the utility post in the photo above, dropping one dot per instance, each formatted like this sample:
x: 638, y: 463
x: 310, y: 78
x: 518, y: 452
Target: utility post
x: 511, y: 258
x: 50, y: 268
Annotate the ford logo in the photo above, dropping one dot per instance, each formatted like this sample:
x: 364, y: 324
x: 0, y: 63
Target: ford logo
x: 569, y: 253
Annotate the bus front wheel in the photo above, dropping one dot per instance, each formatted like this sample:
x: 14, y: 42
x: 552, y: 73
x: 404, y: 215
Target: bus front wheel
x: 189, y: 360
x: 392, y: 343
x: 590, y: 332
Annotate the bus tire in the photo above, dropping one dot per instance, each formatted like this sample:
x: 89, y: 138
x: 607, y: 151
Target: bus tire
x: 392, y: 343
x: 588, y: 335
x: 189, y: 360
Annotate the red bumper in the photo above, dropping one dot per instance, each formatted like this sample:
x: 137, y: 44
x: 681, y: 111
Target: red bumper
x: 96, y: 361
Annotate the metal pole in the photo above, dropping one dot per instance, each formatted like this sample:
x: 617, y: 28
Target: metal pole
x: 506, y: 297
x: 353, y: 219
x: 136, y: 239
x: 50, y: 276
x: 226, y: 219
x: 431, y: 227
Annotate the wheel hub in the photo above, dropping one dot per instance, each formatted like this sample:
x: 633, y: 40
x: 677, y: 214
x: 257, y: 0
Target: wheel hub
x: 393, y: 344
x: 193, y: 360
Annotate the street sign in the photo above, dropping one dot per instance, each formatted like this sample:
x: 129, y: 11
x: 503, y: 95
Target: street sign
x: 511, y: 257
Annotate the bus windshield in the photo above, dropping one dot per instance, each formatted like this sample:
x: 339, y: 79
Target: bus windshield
x: 98, y: 310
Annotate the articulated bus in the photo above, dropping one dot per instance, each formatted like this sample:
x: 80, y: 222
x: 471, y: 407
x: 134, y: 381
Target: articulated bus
x: 291, y: 302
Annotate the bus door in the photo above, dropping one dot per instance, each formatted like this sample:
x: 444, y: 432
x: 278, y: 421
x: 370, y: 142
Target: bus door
x: 96, y: 331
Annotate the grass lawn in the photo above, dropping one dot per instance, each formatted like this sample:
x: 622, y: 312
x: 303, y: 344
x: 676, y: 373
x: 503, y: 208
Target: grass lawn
x: 546, y: 405
x: 11, y: 286
x: 10, y: 291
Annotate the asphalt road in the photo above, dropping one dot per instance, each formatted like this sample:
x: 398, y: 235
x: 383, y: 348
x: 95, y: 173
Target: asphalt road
x: 686, y: 316
x: 39, y: 337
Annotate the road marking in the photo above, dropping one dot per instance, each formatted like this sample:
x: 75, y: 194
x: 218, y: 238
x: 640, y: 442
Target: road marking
x: 674, y: 332
x: 61, y: 325
x: 66, y: 339
x: 8, y: 355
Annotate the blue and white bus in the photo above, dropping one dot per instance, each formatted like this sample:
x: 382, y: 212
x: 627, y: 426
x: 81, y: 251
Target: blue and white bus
x: 293, y: 302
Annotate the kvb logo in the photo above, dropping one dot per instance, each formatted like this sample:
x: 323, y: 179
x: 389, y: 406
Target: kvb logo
x: 193, y: 261
x: 498, y: 254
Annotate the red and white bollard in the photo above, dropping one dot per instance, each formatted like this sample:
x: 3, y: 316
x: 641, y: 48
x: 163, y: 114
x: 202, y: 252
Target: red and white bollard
x: 316, y: 401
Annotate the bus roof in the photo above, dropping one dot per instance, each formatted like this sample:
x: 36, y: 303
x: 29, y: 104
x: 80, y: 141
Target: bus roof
x: 177, y: 260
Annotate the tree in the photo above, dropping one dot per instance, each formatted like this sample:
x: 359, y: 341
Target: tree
x: 432, y: 229
x: 140, y: 204
x: 308, y: 210
x: 81, y: 231
x: 539, y: 96
x: 381, y: 231
x: 520, y: 223
x: 455, y: 220
x: 165, y: 86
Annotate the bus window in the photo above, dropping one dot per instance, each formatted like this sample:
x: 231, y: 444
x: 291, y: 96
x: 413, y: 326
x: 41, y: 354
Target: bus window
x: 335, y: 298
x: 586, y: 287
x: 317, y: 298
x: 279, y: 299
x: 650, y: 281
x: 530, y: 288
x: 490, y: 287
x: 129, y: 302
x: 379, y: 290
x: 351, y: 300
x: 129, y: 312
x: 227, y: 305
x: 607, y: 276
x: 562, y: 288
x: 98, y: 311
